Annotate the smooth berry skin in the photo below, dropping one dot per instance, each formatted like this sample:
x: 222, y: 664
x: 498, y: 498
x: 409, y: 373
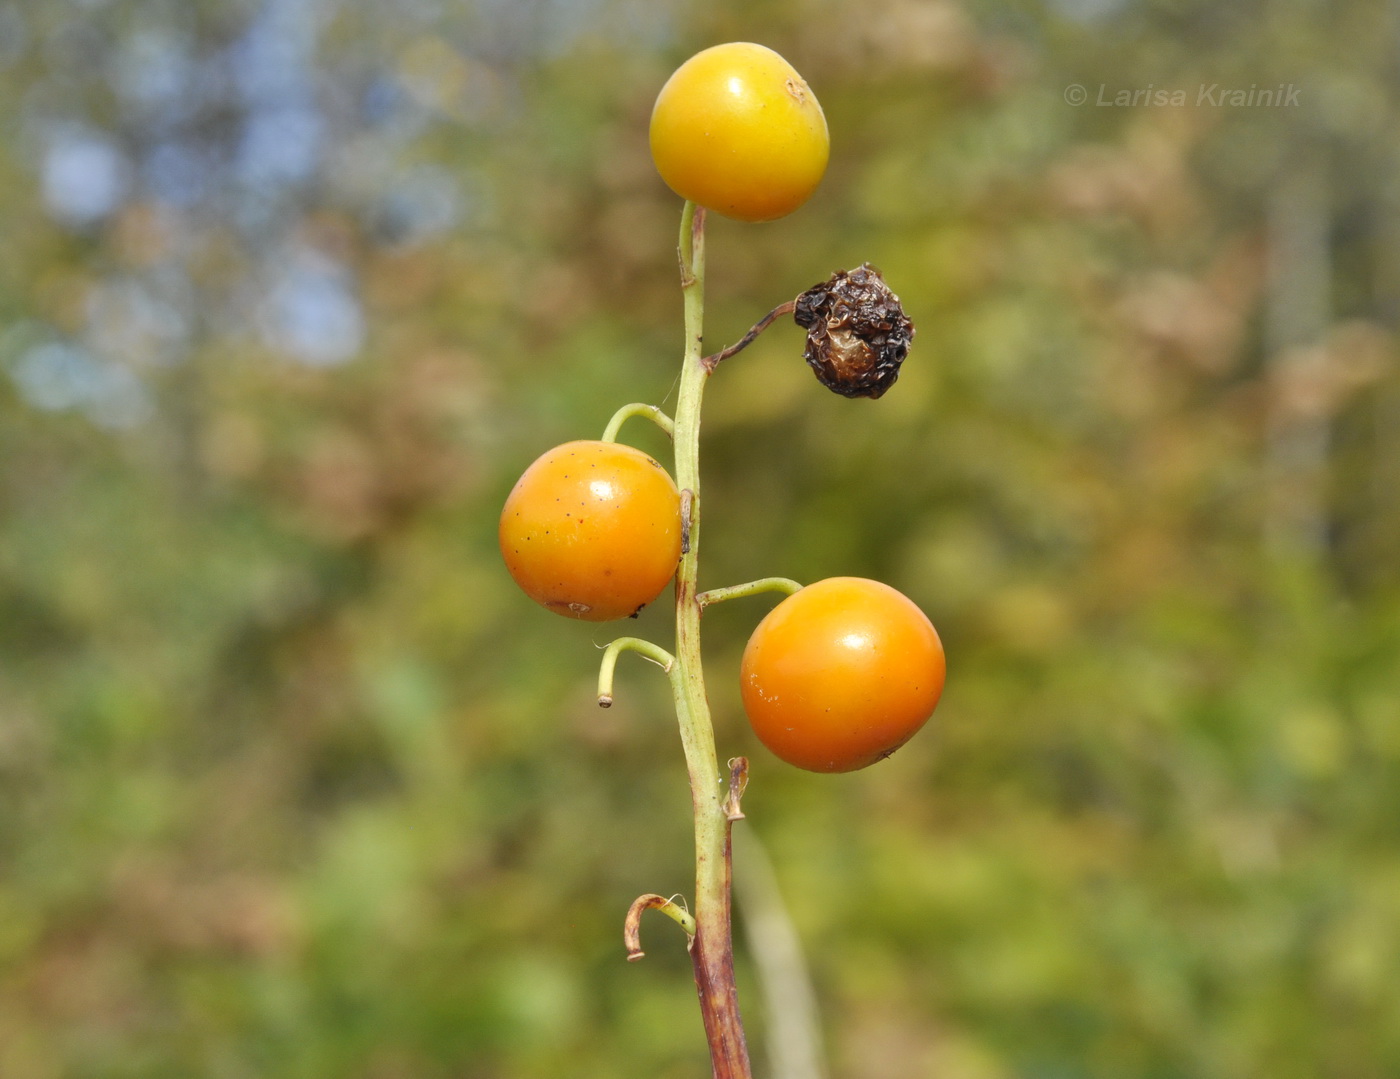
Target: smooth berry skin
x: 737, y: 130
x: 592, y: 530
x: 841, y: 674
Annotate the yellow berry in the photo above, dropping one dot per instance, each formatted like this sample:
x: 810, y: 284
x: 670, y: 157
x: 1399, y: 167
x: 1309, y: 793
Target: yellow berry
x: 737, y: 130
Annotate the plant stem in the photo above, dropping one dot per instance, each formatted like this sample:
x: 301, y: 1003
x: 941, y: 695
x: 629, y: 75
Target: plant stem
x: 632, y: 931
x: 786, y: 585
x: 711, y: 362
x: 711, y: 949
x: 626, y: 412
x: 646, y: 649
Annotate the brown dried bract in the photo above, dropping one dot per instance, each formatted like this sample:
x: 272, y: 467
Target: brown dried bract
x: 857, y: 333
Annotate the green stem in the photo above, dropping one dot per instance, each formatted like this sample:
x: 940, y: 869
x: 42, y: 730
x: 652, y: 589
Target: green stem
x: 711, y: 950
x: 626, y: 412
x: 646, y: 649
x: 785, y: 585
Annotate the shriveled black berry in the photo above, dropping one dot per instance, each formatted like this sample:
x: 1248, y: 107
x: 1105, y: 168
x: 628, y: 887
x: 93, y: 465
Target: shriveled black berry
x: 857, y: 333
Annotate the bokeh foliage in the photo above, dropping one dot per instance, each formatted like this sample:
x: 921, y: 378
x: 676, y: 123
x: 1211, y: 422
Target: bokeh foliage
x: 293, y: 782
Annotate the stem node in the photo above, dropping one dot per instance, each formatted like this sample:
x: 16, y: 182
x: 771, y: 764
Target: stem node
x: 738, y: 783
x: 687, y: 518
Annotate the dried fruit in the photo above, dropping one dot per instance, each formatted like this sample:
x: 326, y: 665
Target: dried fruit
x: 857, y: 332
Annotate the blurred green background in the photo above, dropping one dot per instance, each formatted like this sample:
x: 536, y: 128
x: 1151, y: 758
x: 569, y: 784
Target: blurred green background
x: 294, y: 783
